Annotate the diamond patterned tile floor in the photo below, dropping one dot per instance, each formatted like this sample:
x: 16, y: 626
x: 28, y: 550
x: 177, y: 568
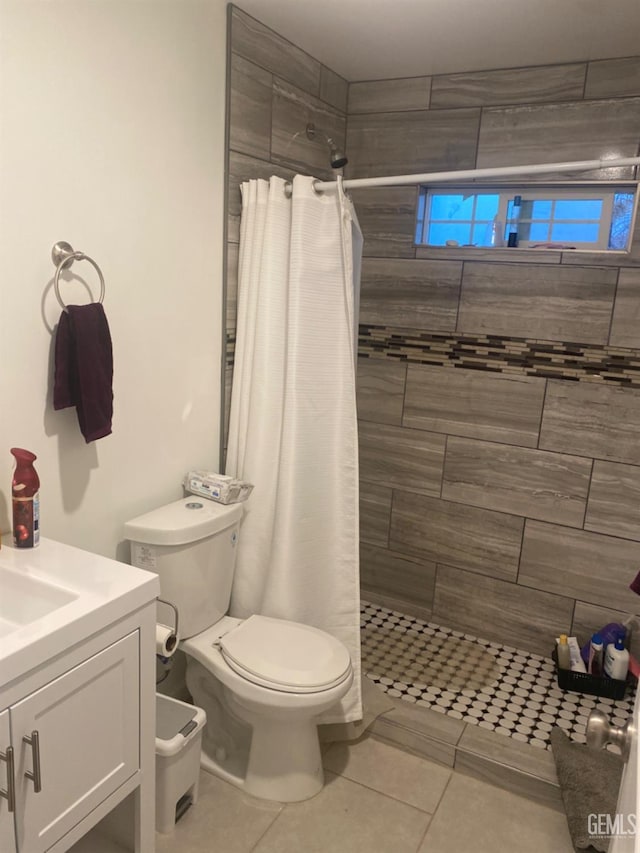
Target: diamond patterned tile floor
x: 509, y: 691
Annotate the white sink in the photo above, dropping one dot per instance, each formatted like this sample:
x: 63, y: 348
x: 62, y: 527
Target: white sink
x: 55, y: 596
x: 24, y: 599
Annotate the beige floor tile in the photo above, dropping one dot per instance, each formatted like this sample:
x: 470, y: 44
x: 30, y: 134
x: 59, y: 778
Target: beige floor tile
x: 224, y: 819
x: 390, y: 771
x: 475, y: 817
x: 345, y: 818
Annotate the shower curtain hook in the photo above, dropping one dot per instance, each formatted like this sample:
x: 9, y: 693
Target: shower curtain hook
x: 288, y: 188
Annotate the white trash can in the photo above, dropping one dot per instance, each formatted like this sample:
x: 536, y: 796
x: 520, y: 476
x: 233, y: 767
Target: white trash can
x: 178, y: 744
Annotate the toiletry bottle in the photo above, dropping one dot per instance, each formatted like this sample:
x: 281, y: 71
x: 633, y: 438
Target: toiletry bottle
x: 513, y: 224
x: 564, y: 655
x: 494, y: 235
x: 26, y: 500
x: 596, y: 655
x: 577, y: 664
x: 609, y: 634
x: 616, y: 660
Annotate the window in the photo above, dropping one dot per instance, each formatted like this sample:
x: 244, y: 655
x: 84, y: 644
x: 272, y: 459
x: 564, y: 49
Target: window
x: 594, y: 217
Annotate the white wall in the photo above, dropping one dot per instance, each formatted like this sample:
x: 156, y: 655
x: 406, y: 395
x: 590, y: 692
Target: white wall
x: 112, y: 138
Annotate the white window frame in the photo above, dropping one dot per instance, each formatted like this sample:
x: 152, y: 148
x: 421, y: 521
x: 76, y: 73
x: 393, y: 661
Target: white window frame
x: 556, y: 191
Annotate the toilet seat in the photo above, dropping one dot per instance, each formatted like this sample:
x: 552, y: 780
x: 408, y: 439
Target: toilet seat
x: 285, y: 656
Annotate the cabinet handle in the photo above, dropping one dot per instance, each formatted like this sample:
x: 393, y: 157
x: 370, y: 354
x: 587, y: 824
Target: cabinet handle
x: 34, y: 742
x: 9, y: 793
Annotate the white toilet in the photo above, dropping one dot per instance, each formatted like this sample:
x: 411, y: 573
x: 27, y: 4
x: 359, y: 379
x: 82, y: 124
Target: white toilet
x: 262, y: 682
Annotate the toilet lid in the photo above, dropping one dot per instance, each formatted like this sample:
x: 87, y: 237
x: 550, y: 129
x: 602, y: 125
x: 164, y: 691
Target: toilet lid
x: 285, y: 655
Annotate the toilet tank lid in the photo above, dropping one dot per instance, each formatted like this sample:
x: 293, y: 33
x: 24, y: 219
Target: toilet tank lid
x: 178, y: 523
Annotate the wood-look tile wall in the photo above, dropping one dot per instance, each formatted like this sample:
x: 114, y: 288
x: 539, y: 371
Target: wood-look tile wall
x: 498, y: 504
x: 504, y: 505
x: 275, y: 90
x: 531, y: 482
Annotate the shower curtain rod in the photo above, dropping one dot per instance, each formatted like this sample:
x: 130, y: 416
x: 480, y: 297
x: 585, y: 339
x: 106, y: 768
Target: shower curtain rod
x: 469, y: 174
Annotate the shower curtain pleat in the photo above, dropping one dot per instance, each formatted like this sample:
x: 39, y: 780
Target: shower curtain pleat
x: 293, y: 427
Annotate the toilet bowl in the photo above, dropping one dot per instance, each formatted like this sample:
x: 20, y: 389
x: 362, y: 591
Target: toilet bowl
x: 263, y: 682
x: 246, y: 670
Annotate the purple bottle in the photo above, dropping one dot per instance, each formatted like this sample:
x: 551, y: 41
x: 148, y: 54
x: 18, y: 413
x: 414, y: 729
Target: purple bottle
x: 608, y: 634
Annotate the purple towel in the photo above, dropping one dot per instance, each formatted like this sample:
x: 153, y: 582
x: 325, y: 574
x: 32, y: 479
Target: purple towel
x: 84, y: 368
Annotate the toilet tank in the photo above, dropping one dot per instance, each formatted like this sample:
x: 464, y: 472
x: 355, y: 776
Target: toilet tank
x: 191, y: 545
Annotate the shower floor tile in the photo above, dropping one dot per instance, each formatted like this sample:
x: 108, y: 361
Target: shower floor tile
x: 506, y: 690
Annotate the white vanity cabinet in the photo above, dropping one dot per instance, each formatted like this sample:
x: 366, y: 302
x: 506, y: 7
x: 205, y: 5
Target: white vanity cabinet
x: 7, y: 834
x: 77, y: 709
x: 75, y: 741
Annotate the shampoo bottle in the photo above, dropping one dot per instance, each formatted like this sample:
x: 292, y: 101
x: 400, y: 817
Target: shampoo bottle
x: 25, y: 499
x: 512, y: 241
x: 563, y: 652
x: 616, y: 660
x: 596, y: 655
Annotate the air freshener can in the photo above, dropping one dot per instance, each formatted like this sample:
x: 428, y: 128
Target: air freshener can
x: 25, y: 498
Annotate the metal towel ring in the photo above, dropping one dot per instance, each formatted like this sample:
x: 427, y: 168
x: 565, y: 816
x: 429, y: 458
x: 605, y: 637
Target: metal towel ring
x: 63, y: 256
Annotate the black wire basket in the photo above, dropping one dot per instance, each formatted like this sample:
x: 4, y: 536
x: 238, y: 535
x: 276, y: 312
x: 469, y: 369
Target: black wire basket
x: 594, y: 685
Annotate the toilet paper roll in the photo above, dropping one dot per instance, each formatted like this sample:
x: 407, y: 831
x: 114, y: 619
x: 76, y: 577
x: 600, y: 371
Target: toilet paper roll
x: 166, y: 641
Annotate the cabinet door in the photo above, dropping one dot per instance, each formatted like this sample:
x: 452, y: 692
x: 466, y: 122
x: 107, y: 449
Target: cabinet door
x: 87, y: 722
x: 7, y: 832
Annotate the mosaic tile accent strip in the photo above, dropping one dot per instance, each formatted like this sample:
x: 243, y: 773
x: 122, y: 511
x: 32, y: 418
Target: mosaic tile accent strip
x: 524, y: 356
x: 501, y: 688
x: 230, y: 350
x: 573, y: 361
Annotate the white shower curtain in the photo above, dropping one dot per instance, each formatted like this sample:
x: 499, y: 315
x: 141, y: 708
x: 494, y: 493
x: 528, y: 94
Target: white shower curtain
x: 293, y: 430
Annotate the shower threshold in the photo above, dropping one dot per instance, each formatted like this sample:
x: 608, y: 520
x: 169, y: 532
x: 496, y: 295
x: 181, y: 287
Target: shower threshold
x: 481, y: 707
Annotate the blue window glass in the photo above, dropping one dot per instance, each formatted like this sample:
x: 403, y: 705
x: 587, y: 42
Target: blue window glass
x: 487, y: 206
x: 535, y: 232
x: 540, y: 209
x: 578, y: 209
x: 440, y: 232
x: 482, y: 233
x: 580, y: 215
x: 581, y: 232
x: 539, y: 231
x: 451, y: 207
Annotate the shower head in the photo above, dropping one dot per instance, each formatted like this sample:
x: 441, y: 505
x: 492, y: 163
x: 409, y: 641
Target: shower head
x: 337, y: 158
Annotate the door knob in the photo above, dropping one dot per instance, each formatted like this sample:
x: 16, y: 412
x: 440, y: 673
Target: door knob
x: 600, y: 732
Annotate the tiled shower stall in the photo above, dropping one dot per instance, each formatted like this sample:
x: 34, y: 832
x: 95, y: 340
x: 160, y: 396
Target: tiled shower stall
x: 498, y: 389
